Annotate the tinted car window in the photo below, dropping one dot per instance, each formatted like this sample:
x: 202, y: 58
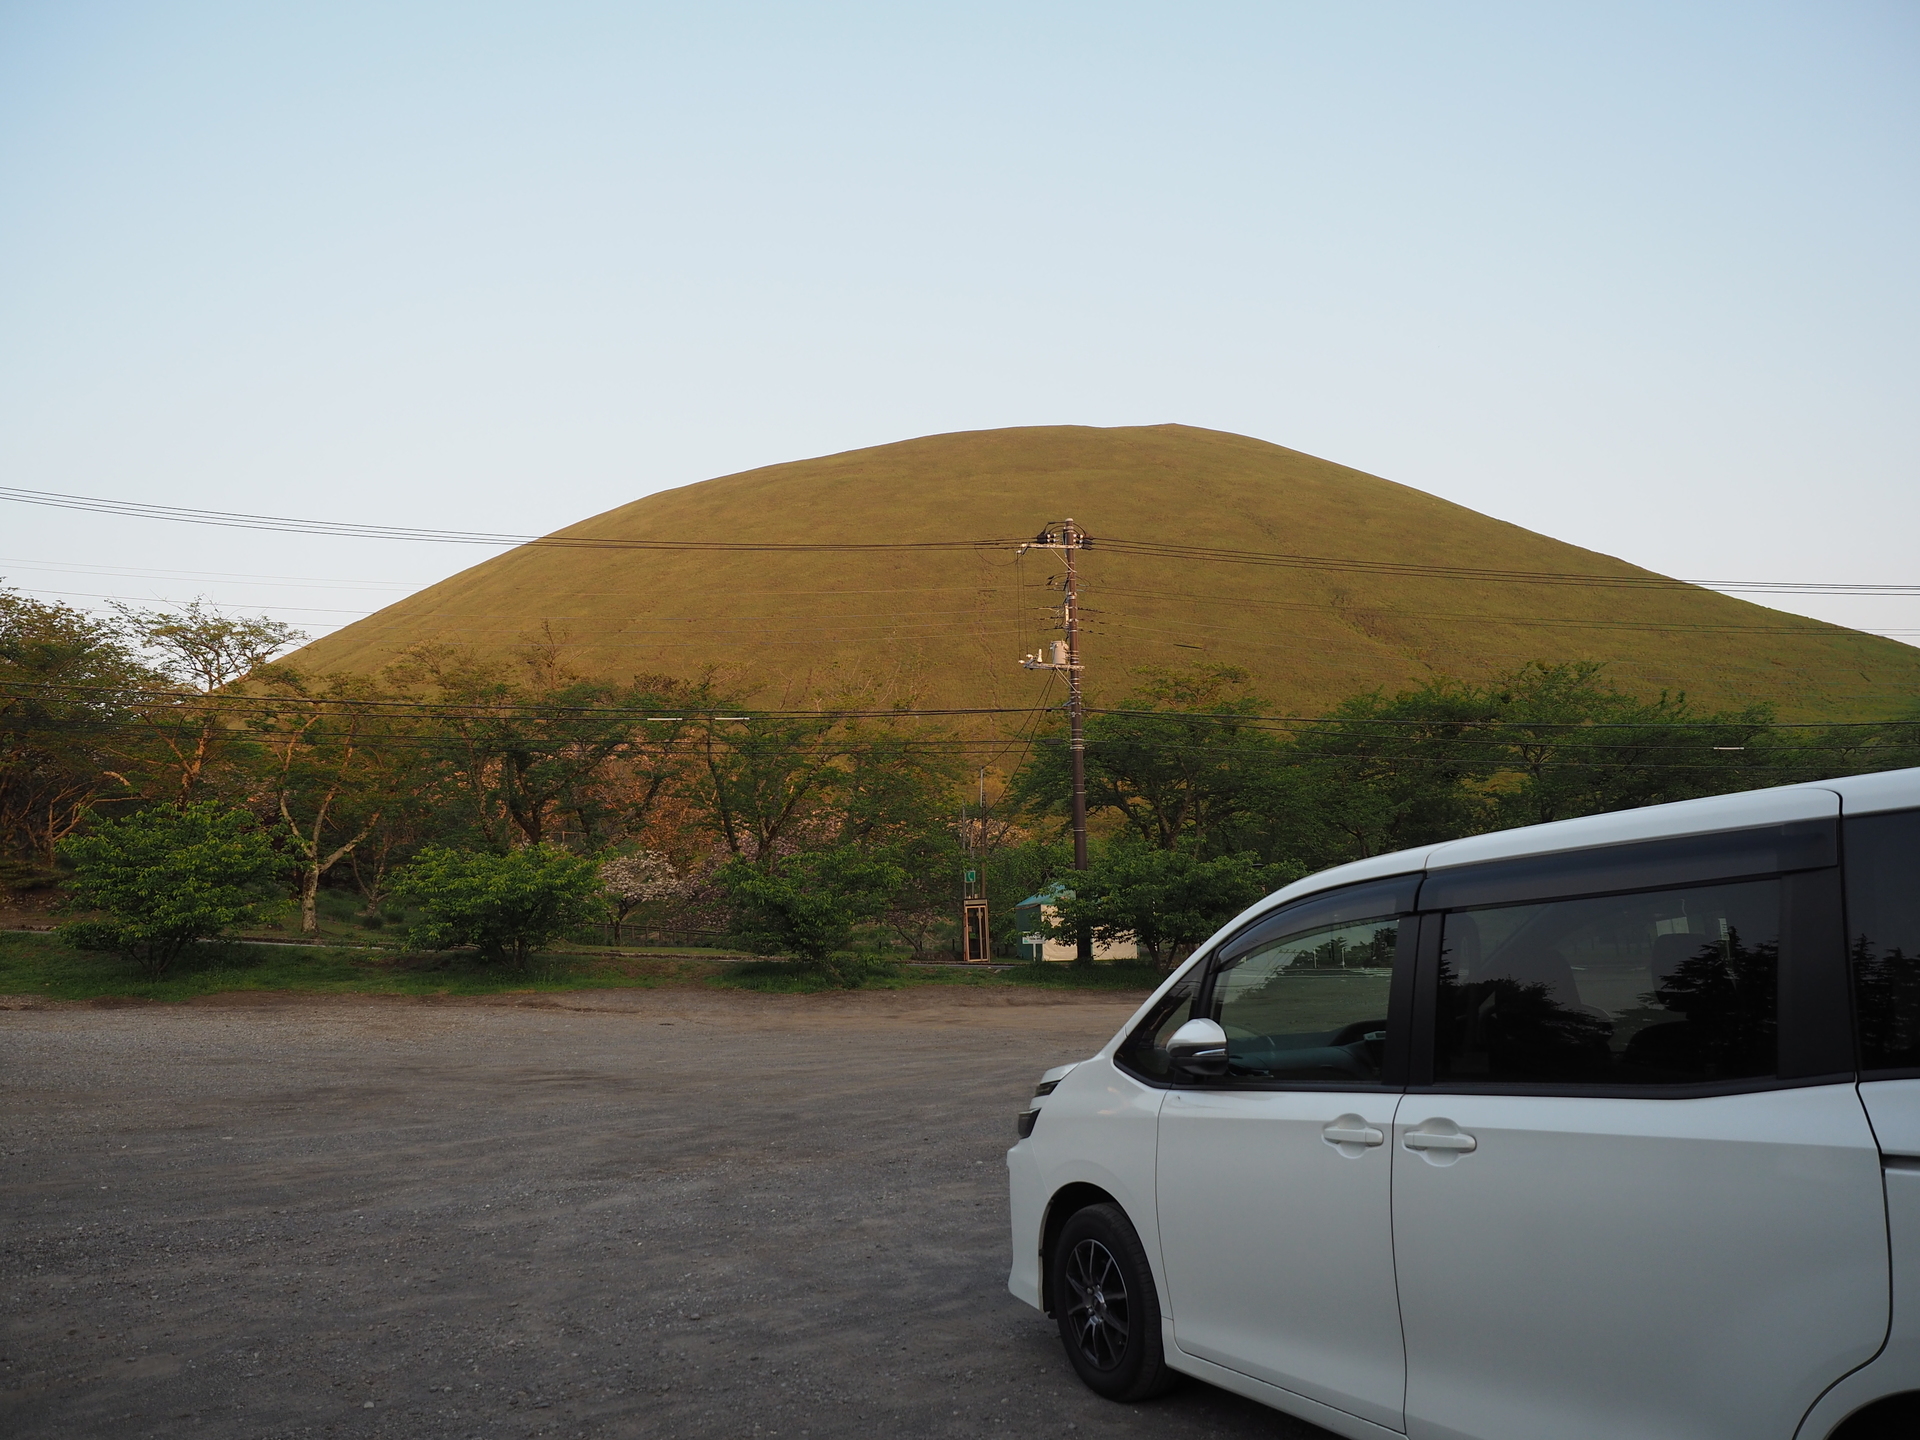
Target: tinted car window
x: 1883, y: 930
x: 1662, y: 988
x: 1310, y: 1006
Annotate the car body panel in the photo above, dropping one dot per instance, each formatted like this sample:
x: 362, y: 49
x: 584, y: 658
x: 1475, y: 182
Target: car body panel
x: 1897, y: 1367
x: 1099, y: 1128
x: 1601, y: 1267
x: 1027, y: 1217
x: 1894, y: 1108
x: 1325, y: 1416
x: 1277, y: 1242
x: 1655, y: 822
x: 1870, y: 794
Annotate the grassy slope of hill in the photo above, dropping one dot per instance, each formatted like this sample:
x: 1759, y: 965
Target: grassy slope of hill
x: 951, y: 625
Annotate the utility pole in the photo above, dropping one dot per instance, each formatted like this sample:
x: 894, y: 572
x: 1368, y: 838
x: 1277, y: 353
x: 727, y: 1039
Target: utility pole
x: 1064, y: 655
x: 976, y: 931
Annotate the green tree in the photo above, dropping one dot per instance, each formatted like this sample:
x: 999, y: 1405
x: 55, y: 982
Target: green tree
x: 1543, y: 742
x: 545, y: 755
x: 810, y: 905
x: 1380, y: 774
x: 188, y: 740
x: 1571, y: 743
x: 1167, y: 901
x: 166, y: 879
x: 339, y: 758
x: 1017, y: 868
x: 895, y: 800
x: 1182, y: 760
x: 765, y: 781
x: 1857, y: 749
x: 503, y: 906
x: 66, y: 693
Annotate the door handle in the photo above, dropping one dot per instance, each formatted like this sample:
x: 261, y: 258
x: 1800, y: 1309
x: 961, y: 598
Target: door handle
x: 1352, y: 1130
x: 1463, y: 1143
x: 1439, y: 1135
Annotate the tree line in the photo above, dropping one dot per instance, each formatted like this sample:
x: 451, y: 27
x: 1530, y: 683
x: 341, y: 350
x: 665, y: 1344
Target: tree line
x: 466, y: 789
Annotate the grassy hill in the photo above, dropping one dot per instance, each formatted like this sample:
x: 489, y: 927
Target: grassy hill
x: 951, y: 625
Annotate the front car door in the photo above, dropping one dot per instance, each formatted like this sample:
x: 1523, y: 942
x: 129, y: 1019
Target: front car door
x: 1273, y: 1181
x: 1637, y: 1194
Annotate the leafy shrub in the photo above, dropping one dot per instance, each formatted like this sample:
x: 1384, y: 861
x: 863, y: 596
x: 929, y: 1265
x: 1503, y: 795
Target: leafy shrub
x: 503, y: 906
x: 166, y: 879
x: 810, y: 907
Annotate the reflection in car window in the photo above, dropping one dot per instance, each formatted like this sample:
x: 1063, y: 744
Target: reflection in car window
x: 1664, y: 988
x: 1310, y: 1006
x: 1883, y: 927
x: 1144, y: 1052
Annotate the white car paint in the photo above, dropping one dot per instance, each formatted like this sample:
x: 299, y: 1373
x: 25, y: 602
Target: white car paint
x: 1893, y: 1106
x: 1595, y: 1268
x: 1717, y: 1266
x: 1275, y: 1239
x: 1098, y: 1128
x: 1870, y: 794
x: 1653, y: 822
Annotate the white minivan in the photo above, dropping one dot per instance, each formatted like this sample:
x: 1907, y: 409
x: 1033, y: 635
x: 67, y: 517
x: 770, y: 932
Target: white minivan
x: 1606, y: 1128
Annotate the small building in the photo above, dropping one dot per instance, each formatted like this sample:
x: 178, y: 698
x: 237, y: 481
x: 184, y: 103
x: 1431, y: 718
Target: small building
x: 1036, y: 912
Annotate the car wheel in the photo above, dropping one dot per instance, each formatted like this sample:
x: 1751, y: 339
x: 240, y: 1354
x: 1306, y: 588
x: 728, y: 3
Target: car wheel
x: 1107, y: 1307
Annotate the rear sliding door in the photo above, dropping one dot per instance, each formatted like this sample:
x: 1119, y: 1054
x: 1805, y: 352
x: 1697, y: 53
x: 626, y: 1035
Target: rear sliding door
x: 1638, y: 1195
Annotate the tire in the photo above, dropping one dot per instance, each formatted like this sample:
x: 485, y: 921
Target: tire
x: 1107, y: 1307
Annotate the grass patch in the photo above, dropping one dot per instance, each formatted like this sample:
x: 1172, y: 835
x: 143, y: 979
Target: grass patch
x: 785, y: 977
x: 1111, y: 976
x: 35, y: 964
x: 38, y: 964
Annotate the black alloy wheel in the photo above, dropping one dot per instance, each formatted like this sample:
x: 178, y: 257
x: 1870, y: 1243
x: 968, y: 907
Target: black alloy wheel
x: 1106, y: 1305
x: 1097, y: 1304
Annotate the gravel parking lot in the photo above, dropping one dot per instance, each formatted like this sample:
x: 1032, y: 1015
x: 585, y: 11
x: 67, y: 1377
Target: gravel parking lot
x: 667, y: 1212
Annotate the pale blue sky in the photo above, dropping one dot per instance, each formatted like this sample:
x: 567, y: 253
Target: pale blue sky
x: 1641, y: 276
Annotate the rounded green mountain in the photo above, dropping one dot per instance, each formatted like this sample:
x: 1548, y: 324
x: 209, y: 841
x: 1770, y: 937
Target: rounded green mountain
x: 948, y: 627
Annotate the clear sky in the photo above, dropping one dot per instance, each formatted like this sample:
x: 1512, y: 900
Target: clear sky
x: 1645, y: 277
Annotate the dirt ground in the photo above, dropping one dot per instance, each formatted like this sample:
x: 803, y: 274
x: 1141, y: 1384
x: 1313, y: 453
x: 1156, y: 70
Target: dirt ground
x: 662, y: 1213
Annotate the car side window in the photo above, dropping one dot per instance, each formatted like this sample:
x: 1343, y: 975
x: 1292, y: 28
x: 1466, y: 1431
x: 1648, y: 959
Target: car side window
x: 1883, y: 937
x: 1309, y: 1006
x: 1144, y: 1051
x: 1658, y: 988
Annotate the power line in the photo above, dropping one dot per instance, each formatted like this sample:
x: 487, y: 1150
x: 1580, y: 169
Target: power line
x: 535, y: 709
x: 961, y: 749
x: 1412, y: 570
x: 356, y: 530
x: 550, y: 619
x: 736, y: 712
x: 1169, y: 550
x: 1224, y: 718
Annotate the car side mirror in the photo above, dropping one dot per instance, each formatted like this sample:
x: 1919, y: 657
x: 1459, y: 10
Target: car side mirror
x: 1198, y: 1048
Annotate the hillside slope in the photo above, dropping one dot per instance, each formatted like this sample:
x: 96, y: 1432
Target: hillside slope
x: 951, y: 625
